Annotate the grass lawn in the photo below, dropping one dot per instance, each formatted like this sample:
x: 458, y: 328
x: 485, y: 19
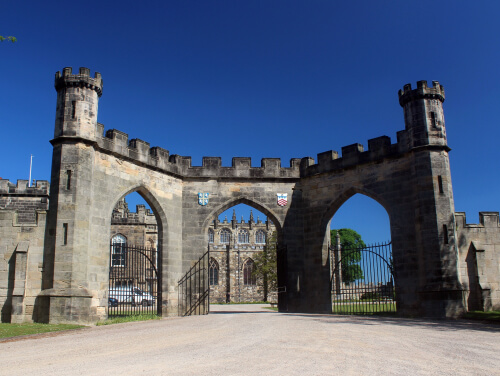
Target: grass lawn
x: 13, y: 330
x: 359, y: 308
x: 123, y: 318
x: 480, y: 315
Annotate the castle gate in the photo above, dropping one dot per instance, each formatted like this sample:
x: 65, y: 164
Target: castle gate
x: 92, y: 170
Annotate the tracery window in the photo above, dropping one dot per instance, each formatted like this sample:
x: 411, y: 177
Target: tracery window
x: 249, y: 279
x: 213, y: 272
x: 243, y: 237
x: 225, y: 236
x: 260, y: 237
x: 210, y: 236
x: 118, y: 250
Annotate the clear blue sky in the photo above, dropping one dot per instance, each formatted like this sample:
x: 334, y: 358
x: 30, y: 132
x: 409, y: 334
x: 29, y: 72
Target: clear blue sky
x: 284, y: 79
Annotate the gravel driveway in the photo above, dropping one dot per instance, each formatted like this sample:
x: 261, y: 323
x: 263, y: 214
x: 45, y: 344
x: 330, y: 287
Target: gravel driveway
x: 250, y: 340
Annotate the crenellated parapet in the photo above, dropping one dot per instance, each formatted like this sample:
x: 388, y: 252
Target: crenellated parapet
x: 486, y: 220
x: 23, y: 200
x: 139, y: 151
x: 82, y: 79
x: 421, y: 92
x: 22, y: 188
x: 353, y: 155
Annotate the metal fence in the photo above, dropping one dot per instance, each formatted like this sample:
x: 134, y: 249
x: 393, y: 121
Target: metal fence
x: 194, y: 291
x: 362, y: 280
x: 134, y: 281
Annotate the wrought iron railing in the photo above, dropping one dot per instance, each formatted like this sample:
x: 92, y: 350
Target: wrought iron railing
x: 194, y: 291
x: 362, y: 279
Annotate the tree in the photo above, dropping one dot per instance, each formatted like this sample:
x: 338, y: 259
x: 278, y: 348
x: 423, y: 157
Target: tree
x: 10, y: 39
x: 350, y: 253
x: 266, y: 266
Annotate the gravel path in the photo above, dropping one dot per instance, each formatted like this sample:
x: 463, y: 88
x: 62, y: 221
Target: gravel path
x: 250, y: 340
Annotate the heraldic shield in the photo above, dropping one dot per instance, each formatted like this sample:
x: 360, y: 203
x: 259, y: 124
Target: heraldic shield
x: 202, y: 198
x: 282, y: 199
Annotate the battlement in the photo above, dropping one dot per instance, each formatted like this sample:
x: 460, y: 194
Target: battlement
x: 118, y: 143
x: 136, y: 150
x: 21, y: 188
x: 82, y: 79
x: 352, y: 155
x: 421, y: 92
x: 486, y: 220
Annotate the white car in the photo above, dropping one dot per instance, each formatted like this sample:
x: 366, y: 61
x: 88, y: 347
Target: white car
x: 132, y: 295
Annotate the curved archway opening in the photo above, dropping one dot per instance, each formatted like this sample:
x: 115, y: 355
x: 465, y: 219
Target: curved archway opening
x: 361, y: 262
x: 134, y: 262
x: 242, y: 245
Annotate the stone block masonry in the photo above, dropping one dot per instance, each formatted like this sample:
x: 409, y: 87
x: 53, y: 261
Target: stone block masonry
x: 92, y: 170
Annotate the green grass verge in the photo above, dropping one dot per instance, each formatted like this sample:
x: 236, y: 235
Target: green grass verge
x: 364, y: 309
x: 480, y: 315
x: 272, y: 308
x: 131, y: 318
x: 13, y: 330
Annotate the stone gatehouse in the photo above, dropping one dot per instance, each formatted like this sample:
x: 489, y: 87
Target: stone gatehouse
x: 56, y: 258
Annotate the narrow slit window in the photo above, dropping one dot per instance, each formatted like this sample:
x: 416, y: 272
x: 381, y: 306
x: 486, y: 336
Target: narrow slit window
x: 73, y: 109
x: 68, y: 180
x: 65, y: 233
x: 440, y: 184
x: 433, y: 120
x: 445, y: 233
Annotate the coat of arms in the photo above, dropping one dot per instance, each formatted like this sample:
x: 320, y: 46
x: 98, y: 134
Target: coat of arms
x: 202, y: 198
x: 282, y: 199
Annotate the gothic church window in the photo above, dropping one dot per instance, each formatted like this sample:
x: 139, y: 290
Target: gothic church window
x: 225, y: 236
x: 243, y: 237
x: 260, y: 237
x: 210, y: 236
x: 249, y: 278
x: 118, y: 250
x: 213, y: 272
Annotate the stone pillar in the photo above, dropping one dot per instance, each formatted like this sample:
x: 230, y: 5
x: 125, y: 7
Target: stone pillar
x: 66, y: 296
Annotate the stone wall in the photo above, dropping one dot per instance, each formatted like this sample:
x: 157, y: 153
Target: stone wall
x: 23, y: 211
x: 230, y: 260
x: 93, y: 170
x: 479, y: 252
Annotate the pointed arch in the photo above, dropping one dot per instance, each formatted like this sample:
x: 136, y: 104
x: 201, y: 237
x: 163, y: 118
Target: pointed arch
x: 213, y: 272
x: 149, y: 197
x: 243, y: 200
x: 249, y: 278
x: 336, y: 203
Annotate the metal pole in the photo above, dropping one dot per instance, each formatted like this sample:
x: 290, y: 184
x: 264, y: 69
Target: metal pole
x: 31, y: 164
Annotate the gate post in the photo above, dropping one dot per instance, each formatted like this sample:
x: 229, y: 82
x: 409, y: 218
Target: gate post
x: 66, y: 296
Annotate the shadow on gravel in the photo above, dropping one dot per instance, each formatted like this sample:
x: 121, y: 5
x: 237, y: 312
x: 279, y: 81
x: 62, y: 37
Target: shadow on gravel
x: 434, y: 324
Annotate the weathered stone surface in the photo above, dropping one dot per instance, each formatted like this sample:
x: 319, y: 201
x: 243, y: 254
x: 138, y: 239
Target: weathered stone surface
x: 91, y: 172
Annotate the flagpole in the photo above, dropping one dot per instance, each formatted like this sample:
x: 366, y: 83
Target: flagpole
x: 31, y: 164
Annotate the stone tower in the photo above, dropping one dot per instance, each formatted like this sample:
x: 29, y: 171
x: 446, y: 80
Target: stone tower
x: 433, y: 195
x: 77, y: 102
x: 423, y: 113
x: 66, y: 276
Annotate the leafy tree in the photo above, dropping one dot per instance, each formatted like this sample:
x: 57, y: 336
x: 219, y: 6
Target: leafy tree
x: 266, y: 266
x: 10, y: 39
x: 350, y: 253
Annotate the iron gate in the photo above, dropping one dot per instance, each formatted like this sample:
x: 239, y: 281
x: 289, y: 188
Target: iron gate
x: 194, y: 289
x: 133, y: 281
x: 362, y: 279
